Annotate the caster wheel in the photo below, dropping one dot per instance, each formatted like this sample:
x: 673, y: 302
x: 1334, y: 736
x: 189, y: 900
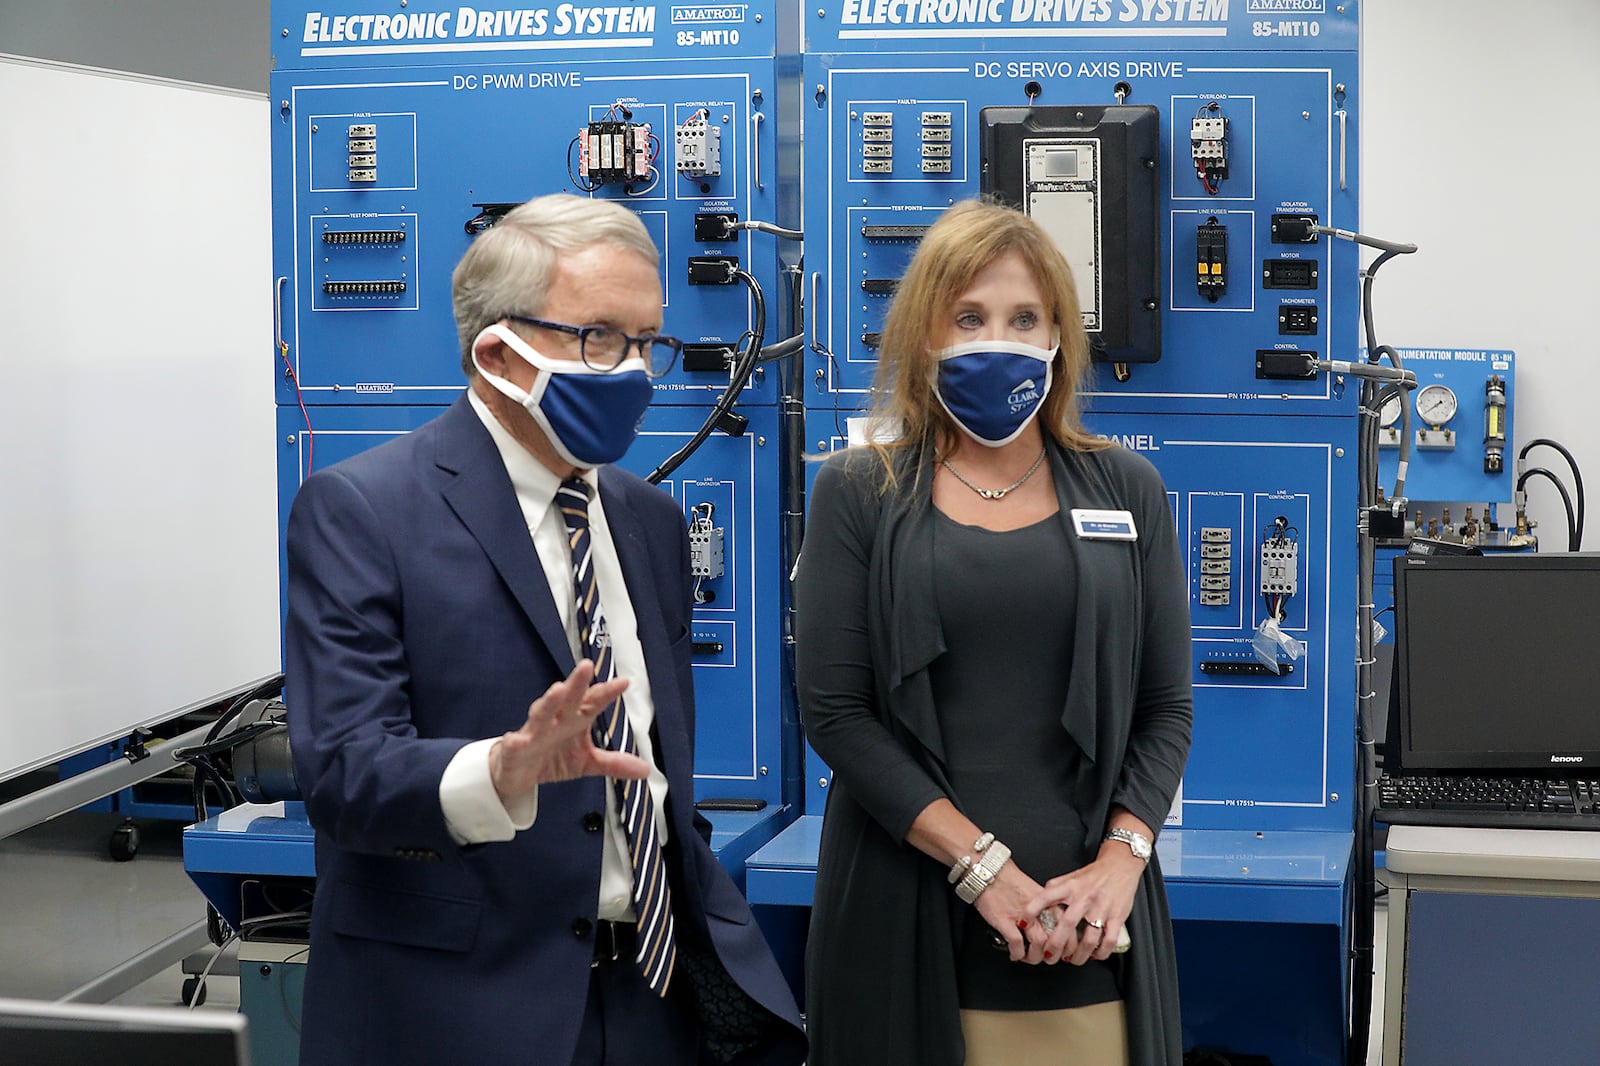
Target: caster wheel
x: 194, y: 993
x: 124, y: 843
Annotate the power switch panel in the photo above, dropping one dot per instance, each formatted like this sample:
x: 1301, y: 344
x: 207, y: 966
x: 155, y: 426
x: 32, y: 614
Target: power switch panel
x: 1211, y: 258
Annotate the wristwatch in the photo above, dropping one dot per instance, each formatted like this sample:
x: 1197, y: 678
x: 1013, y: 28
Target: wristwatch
x: 1138, y: 843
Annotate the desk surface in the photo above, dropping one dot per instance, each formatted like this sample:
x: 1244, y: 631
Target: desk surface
x: 1296, y: 876
x: 1536, y: 854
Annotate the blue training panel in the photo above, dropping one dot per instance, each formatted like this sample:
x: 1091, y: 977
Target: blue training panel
x: 894, y: 123
x: 397, y: 135
x: 1180, y: 153
x: 400, y: 134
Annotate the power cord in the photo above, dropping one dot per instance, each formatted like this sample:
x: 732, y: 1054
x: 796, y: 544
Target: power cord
x: 743, y: 367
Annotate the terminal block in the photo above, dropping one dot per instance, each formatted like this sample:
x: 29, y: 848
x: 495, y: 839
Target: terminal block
x: 386, y: 287
x: 1208, y: 145
x: 699, y: 146
x: 1211, y: 259
x: 363, y: 236
x: 614, y: 150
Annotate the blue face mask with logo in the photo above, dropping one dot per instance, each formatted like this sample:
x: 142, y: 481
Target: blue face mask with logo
x: 589, y: 416
x: 993, y: 389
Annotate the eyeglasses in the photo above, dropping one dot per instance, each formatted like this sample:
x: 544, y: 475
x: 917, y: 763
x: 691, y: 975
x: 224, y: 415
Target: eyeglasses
x: 603, y: 348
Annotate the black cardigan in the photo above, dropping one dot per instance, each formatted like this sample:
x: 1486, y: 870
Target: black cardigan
x: 880, y: 973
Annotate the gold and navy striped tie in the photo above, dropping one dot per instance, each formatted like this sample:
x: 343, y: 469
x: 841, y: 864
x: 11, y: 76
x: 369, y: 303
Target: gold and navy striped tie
x: 652, y: 897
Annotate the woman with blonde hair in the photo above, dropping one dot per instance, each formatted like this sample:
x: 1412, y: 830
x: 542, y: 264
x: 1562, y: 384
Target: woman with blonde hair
x: 993, y: 658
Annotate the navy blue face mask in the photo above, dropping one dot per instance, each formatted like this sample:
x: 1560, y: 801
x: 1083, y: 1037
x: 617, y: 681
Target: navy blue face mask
x: 993, y: 389
x: 589, y: 416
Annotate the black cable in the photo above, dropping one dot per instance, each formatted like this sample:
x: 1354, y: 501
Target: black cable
x: 199, y: 755
x: 772, y: 228
x: 1364, y: 879
x: 1566, y: 501
x: 737, y: 380
x: 1577, y: 476
x: 781, y: 350
x: 272, y: 686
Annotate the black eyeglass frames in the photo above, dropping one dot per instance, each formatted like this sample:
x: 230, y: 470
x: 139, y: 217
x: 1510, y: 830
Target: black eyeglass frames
x: 604, y: 348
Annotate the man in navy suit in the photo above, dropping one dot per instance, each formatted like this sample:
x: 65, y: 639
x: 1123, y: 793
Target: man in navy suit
x: 486, y: 888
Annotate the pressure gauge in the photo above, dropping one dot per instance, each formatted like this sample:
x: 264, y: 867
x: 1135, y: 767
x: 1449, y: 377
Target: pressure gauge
x: 1389, y: 413
x: 1436, y: 404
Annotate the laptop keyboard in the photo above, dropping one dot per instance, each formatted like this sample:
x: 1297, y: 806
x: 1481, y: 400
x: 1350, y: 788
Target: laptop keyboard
x: 1489, y: 802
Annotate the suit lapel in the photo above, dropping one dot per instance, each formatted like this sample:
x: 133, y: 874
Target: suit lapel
x: 481, y: 495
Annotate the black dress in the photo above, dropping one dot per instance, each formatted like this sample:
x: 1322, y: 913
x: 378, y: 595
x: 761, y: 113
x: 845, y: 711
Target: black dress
x: 1005, y: 605
x: 881, y: 969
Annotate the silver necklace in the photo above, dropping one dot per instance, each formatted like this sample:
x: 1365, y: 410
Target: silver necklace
x: 995, y: 494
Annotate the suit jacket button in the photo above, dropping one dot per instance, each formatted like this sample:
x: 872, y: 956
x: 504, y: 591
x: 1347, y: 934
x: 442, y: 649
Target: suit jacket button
x: 593, y: 821
x: 582, y: 927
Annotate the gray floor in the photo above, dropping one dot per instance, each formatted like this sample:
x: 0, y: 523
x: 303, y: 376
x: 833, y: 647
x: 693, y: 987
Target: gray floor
x: 68, y: 913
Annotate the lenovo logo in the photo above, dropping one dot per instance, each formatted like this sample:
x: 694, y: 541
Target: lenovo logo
x: 1566, y: 758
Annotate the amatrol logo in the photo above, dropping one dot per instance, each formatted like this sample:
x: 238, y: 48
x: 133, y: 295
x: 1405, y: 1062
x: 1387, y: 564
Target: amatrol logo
x: 1283, y: 7
x: 708, y: 13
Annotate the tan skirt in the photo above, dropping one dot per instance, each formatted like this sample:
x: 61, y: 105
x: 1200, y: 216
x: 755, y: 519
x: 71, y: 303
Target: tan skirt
x: 1080, y: 1036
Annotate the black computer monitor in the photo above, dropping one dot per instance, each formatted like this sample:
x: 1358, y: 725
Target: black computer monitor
x: 39, y: 1033
x: 1498, y: 662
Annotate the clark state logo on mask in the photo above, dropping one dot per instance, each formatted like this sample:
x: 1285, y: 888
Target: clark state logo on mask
x: 993, y: 389
x: 589, y: 416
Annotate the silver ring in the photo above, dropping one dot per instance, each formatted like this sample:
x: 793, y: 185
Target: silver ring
x: 1097, y: 925
x: 1047, y: 919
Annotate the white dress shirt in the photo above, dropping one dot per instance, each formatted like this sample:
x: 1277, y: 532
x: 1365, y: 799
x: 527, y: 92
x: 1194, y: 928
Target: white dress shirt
x: 472, y: 809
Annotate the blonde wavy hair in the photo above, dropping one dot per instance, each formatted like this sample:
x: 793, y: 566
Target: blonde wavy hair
x: 967, y: 238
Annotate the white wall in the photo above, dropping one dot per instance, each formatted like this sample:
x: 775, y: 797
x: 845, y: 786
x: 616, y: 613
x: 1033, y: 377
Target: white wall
x: 1479, y: 143
x: 138, y: 543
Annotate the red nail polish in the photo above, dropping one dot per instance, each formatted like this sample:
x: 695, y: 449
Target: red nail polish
x: 1022, y: 923
x: 1049, y: 955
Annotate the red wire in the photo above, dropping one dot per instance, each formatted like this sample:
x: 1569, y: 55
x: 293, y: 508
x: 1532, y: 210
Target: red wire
x: 311, y: 438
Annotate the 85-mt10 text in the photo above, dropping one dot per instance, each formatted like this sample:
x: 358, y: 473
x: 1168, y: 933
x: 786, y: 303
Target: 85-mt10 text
x: 690, y: 38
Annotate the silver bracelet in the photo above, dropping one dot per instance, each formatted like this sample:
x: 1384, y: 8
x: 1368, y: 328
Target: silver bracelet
x: 961, y: 866
x: 981, y: 876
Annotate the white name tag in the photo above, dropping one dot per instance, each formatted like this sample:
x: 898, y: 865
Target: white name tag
x: 1104, y: 525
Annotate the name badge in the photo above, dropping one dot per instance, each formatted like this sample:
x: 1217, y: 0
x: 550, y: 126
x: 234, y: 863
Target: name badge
x: 1104, y: 525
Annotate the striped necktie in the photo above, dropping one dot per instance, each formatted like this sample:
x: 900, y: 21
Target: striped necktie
x: 652, y: 897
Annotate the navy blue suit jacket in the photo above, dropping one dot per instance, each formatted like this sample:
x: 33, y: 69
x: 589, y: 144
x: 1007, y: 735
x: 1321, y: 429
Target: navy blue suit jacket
x: 419, y: 619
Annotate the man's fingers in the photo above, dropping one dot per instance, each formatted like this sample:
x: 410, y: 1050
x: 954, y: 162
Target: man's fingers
x: 599, y: 697
x: 575, y: 695
x: 619, y: 764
